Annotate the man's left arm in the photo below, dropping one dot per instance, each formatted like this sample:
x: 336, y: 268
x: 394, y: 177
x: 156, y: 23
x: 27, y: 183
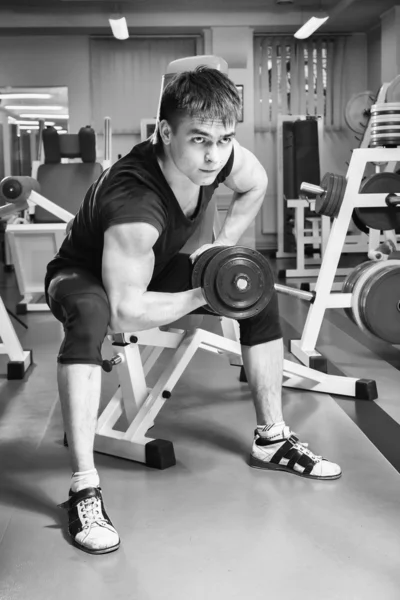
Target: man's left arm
x: 249, y: 181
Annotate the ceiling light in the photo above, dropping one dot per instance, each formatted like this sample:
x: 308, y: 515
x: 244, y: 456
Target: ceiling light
x: 28, y: 127
x: 24, y: 96
x: 119, y: 28
x: 24, y: 107
x: 308, y: 28
x: 33, y: 122
x: 39, y: 116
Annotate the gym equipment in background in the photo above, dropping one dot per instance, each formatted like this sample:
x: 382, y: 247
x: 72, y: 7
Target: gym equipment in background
x: 365, y: 114
x: 354, y: 198
x: 19, y: 360
x: 62, y: 188
x: 299, y: 139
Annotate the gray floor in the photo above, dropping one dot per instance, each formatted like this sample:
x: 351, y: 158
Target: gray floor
x: 211, y: 527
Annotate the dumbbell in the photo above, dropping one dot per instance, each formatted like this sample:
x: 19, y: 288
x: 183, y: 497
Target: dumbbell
x: 238, y: 282
x: 329, y: 195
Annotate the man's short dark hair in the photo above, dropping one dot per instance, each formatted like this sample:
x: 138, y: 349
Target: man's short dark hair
x: 204, y: 93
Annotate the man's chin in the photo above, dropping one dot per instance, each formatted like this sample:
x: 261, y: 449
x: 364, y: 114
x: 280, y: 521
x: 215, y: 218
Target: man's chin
x: 208, y: 175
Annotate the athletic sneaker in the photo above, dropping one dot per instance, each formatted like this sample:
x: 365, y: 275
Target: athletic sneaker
x: 89, y: 525
x: 288, y: 454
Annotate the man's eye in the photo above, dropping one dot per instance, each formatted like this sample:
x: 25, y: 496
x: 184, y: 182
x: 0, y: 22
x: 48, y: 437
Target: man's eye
x: 198, y: 140
x: 226, y: 140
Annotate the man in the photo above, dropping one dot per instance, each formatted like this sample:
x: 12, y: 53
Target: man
x: 120, y: 267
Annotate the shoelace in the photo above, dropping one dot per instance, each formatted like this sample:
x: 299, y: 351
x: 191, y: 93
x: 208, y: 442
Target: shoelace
x: 303, y: 448
x: 91, y: 512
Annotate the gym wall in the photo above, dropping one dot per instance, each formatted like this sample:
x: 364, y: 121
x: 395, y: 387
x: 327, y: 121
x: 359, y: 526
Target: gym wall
x: 65, y: 60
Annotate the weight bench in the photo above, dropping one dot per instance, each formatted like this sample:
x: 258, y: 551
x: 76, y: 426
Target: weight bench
x: 141, y: 404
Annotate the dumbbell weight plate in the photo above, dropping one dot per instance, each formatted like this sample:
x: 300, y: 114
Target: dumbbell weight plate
x: 376, y: 299
x: 333, y: 199
x: 387, y: 107
x: 393, y: 134
x: 389, y: 120
x: 220, y: 277
x: 338, y: 197
x: 385, y: 126
x: 374, y: 217
x: 385, y: 143
x: 323, y: 201
x: 351, y: 280
x: 199, y: 268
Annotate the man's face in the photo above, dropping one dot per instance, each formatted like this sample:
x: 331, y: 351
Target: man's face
x: 200, y: 149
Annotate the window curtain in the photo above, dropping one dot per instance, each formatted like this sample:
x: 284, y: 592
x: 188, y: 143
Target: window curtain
x: 126, y: 78
x: 298, y: 78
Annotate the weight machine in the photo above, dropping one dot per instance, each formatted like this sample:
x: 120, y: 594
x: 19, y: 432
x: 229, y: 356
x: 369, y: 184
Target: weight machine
x: 19, y: 360
x: 35, y: 242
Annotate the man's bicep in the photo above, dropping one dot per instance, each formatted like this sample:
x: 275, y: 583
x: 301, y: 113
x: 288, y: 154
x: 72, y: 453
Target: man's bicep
x: 247, y: 172
x: 128, y: 260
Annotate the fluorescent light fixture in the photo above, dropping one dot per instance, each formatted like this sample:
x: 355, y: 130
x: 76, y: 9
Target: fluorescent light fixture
x: 28, y: 127
x: 34, y: 122
x: 25, y: 107
x: 24, y: 96
x: 39, y: 116
x: 119, y: 28
x: 308, y: 28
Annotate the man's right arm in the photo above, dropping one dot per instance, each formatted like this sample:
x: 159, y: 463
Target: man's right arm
x: 127, y: 269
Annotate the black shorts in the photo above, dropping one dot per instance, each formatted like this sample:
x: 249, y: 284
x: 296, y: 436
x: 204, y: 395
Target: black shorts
x: 79, y: 301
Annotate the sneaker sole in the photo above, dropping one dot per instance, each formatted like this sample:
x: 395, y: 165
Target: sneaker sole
x: 255, y: 463
x: 101, y: 551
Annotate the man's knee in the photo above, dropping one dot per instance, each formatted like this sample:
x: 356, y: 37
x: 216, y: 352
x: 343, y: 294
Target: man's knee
x: 87, y: 314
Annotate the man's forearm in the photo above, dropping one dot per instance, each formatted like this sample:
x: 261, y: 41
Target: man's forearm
x: 156, y: 309
x: 241, y: 213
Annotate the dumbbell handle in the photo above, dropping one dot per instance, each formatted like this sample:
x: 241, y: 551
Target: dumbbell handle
x: 289, y: 291
x: 311, y: 188
x: 392, y: 200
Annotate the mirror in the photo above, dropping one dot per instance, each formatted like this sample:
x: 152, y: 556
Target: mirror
x: 21, y: 110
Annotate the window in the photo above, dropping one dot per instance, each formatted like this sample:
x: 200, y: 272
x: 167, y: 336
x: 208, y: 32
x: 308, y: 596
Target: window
x: 292, y: 77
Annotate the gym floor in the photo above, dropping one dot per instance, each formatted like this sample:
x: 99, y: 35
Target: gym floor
x: 210, y: 528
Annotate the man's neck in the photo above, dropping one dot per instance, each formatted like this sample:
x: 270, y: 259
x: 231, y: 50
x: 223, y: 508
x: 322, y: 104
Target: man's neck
x: 179, y: 183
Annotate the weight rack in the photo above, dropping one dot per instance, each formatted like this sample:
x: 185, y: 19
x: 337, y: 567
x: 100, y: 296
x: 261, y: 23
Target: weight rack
x: 305, y: 348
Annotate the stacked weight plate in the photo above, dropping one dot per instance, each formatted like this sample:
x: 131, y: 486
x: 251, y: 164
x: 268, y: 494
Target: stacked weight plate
x: 375, y: 301
x: 385, y: 125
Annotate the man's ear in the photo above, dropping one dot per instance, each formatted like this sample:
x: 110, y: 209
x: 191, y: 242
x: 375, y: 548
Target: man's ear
x: 165, y: 132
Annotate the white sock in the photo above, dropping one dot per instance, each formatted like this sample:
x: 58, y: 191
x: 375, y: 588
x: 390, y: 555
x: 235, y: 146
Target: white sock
x: 273, y: 431
x: 84, y: 479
